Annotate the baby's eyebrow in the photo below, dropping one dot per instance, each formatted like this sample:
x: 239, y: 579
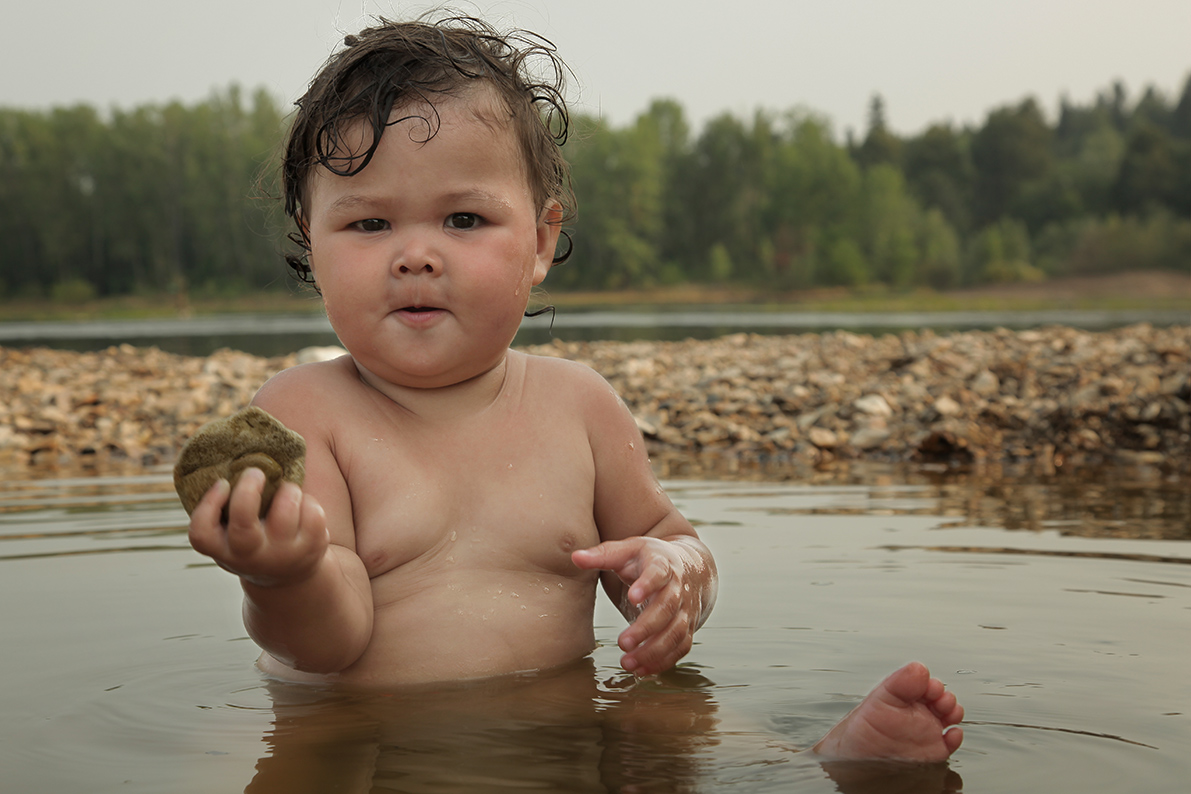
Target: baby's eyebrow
x: 349, y: 203
x: 478, y: 195
x: 353, y: 202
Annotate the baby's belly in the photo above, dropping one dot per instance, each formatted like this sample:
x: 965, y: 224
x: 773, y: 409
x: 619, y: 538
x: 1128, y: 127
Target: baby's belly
x: 438, y: 625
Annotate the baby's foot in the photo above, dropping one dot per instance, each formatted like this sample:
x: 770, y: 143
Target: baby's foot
x: 903, y: 719
x: 250, y: 438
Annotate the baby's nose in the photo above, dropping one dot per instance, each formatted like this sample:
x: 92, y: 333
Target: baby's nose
x: 426, y: 267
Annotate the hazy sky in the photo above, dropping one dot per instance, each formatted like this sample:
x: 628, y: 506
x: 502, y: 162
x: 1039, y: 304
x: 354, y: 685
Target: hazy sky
x: 932, y: 60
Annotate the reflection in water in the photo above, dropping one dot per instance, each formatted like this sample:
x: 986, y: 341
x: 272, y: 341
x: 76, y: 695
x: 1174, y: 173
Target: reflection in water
x: 1121, y: 502
x: 555, y: 731
x: 562, y: 730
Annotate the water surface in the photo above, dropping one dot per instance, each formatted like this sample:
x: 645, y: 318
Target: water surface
x: 270, y: 335
x: 1058, y: 610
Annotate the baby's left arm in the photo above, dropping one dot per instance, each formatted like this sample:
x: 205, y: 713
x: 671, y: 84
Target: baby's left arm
x: 655, y: 568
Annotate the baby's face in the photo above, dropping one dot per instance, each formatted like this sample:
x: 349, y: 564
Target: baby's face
x: 425, y: 258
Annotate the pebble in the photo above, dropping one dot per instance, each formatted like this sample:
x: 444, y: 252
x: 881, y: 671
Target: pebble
x: 1055, y: 395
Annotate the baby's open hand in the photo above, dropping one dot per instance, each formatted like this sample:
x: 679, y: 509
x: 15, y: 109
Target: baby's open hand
x: 283, y: 548
x: 665, y: 589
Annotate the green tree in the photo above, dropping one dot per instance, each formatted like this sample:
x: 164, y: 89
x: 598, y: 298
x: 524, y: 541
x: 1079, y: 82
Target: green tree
x: 1000, y: 253
x: 722, y: 183
x: 620, y: 182
x: 1148, y: 175
x: 939, y: 172
x: 940, y: 264
x: 891, y: 218
x: 880, y: 146
x: 1011, y: 150
x: 814, y: 192
x: 1180, y: 117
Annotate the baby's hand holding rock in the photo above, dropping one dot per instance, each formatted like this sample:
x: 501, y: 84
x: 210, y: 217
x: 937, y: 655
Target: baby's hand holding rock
x: 225, y: 448
x: 227, y: 477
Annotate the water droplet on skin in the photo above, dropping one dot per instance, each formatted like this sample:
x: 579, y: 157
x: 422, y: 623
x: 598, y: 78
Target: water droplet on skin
x: 514, y: 595
x: 631, y: 445
x: 545, y: 589
x: 510, y: 465
x: 687, y: 587
x: 560, y: 585
x: 451, y: 560
x: 454, y: 535
x: 523, y: 606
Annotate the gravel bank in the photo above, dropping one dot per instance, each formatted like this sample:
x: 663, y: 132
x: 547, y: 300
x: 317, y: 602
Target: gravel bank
x: 1055, y: 396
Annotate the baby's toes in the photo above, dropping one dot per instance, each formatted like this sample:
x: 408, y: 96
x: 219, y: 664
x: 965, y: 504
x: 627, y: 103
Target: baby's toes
x: 947, y: 709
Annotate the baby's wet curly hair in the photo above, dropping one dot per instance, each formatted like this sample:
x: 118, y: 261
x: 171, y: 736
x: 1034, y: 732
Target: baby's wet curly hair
x: 397, y: 64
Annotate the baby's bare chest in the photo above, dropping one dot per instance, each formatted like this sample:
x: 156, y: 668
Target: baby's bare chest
x: 497, y: 504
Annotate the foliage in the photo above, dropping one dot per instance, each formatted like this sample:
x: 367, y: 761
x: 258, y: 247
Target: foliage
x: 175, y: 198
x: 148, y: 200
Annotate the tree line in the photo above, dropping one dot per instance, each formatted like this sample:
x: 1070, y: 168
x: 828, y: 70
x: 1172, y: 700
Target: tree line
x: 180, y: 198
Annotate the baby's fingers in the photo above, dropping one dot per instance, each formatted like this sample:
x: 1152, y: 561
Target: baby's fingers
x: 660, y: 650
x: 619, y: 556
x: 654, y: 576
x: 655, y: 617
x: 298, y: 521
x: 206, y: 527
x: 284, y: 519
x: 245, y: 533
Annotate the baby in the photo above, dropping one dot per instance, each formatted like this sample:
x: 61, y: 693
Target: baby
x: 460, y: 498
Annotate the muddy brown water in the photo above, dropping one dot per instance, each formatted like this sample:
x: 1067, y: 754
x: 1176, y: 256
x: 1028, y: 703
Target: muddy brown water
x: 1058, y: 609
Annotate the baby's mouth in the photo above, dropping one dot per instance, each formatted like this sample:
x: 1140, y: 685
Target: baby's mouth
x: 420, y: 315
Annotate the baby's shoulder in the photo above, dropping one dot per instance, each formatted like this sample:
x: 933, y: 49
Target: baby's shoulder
x: 575, y: 385
x: 306, y: 389
x: 304, y: 380
x: 554, y: 373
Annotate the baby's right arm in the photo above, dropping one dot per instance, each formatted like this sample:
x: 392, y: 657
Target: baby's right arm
x: 307, y: 597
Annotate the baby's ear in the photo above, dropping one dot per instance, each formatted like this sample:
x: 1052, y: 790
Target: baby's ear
x: 549, y: 227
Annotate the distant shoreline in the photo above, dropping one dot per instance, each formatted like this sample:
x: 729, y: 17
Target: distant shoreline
x: 1150, y: 290
x: 1052, y: 397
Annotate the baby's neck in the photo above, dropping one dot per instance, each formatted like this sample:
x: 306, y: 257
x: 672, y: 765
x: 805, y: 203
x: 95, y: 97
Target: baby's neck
x: 444, y: 403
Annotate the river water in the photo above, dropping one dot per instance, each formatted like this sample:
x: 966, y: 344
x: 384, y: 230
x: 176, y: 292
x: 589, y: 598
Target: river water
x: 271, y: 335
x: 1057, y: 609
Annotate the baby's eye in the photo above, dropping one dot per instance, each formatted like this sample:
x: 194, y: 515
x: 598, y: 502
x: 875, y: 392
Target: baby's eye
x: 463, y: 220
x: 371, y: 225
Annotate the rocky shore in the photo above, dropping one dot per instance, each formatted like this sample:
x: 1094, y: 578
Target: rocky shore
x: 1055, y: 397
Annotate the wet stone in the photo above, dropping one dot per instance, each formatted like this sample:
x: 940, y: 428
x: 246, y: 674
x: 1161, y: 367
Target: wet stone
x: 1055, y: 395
